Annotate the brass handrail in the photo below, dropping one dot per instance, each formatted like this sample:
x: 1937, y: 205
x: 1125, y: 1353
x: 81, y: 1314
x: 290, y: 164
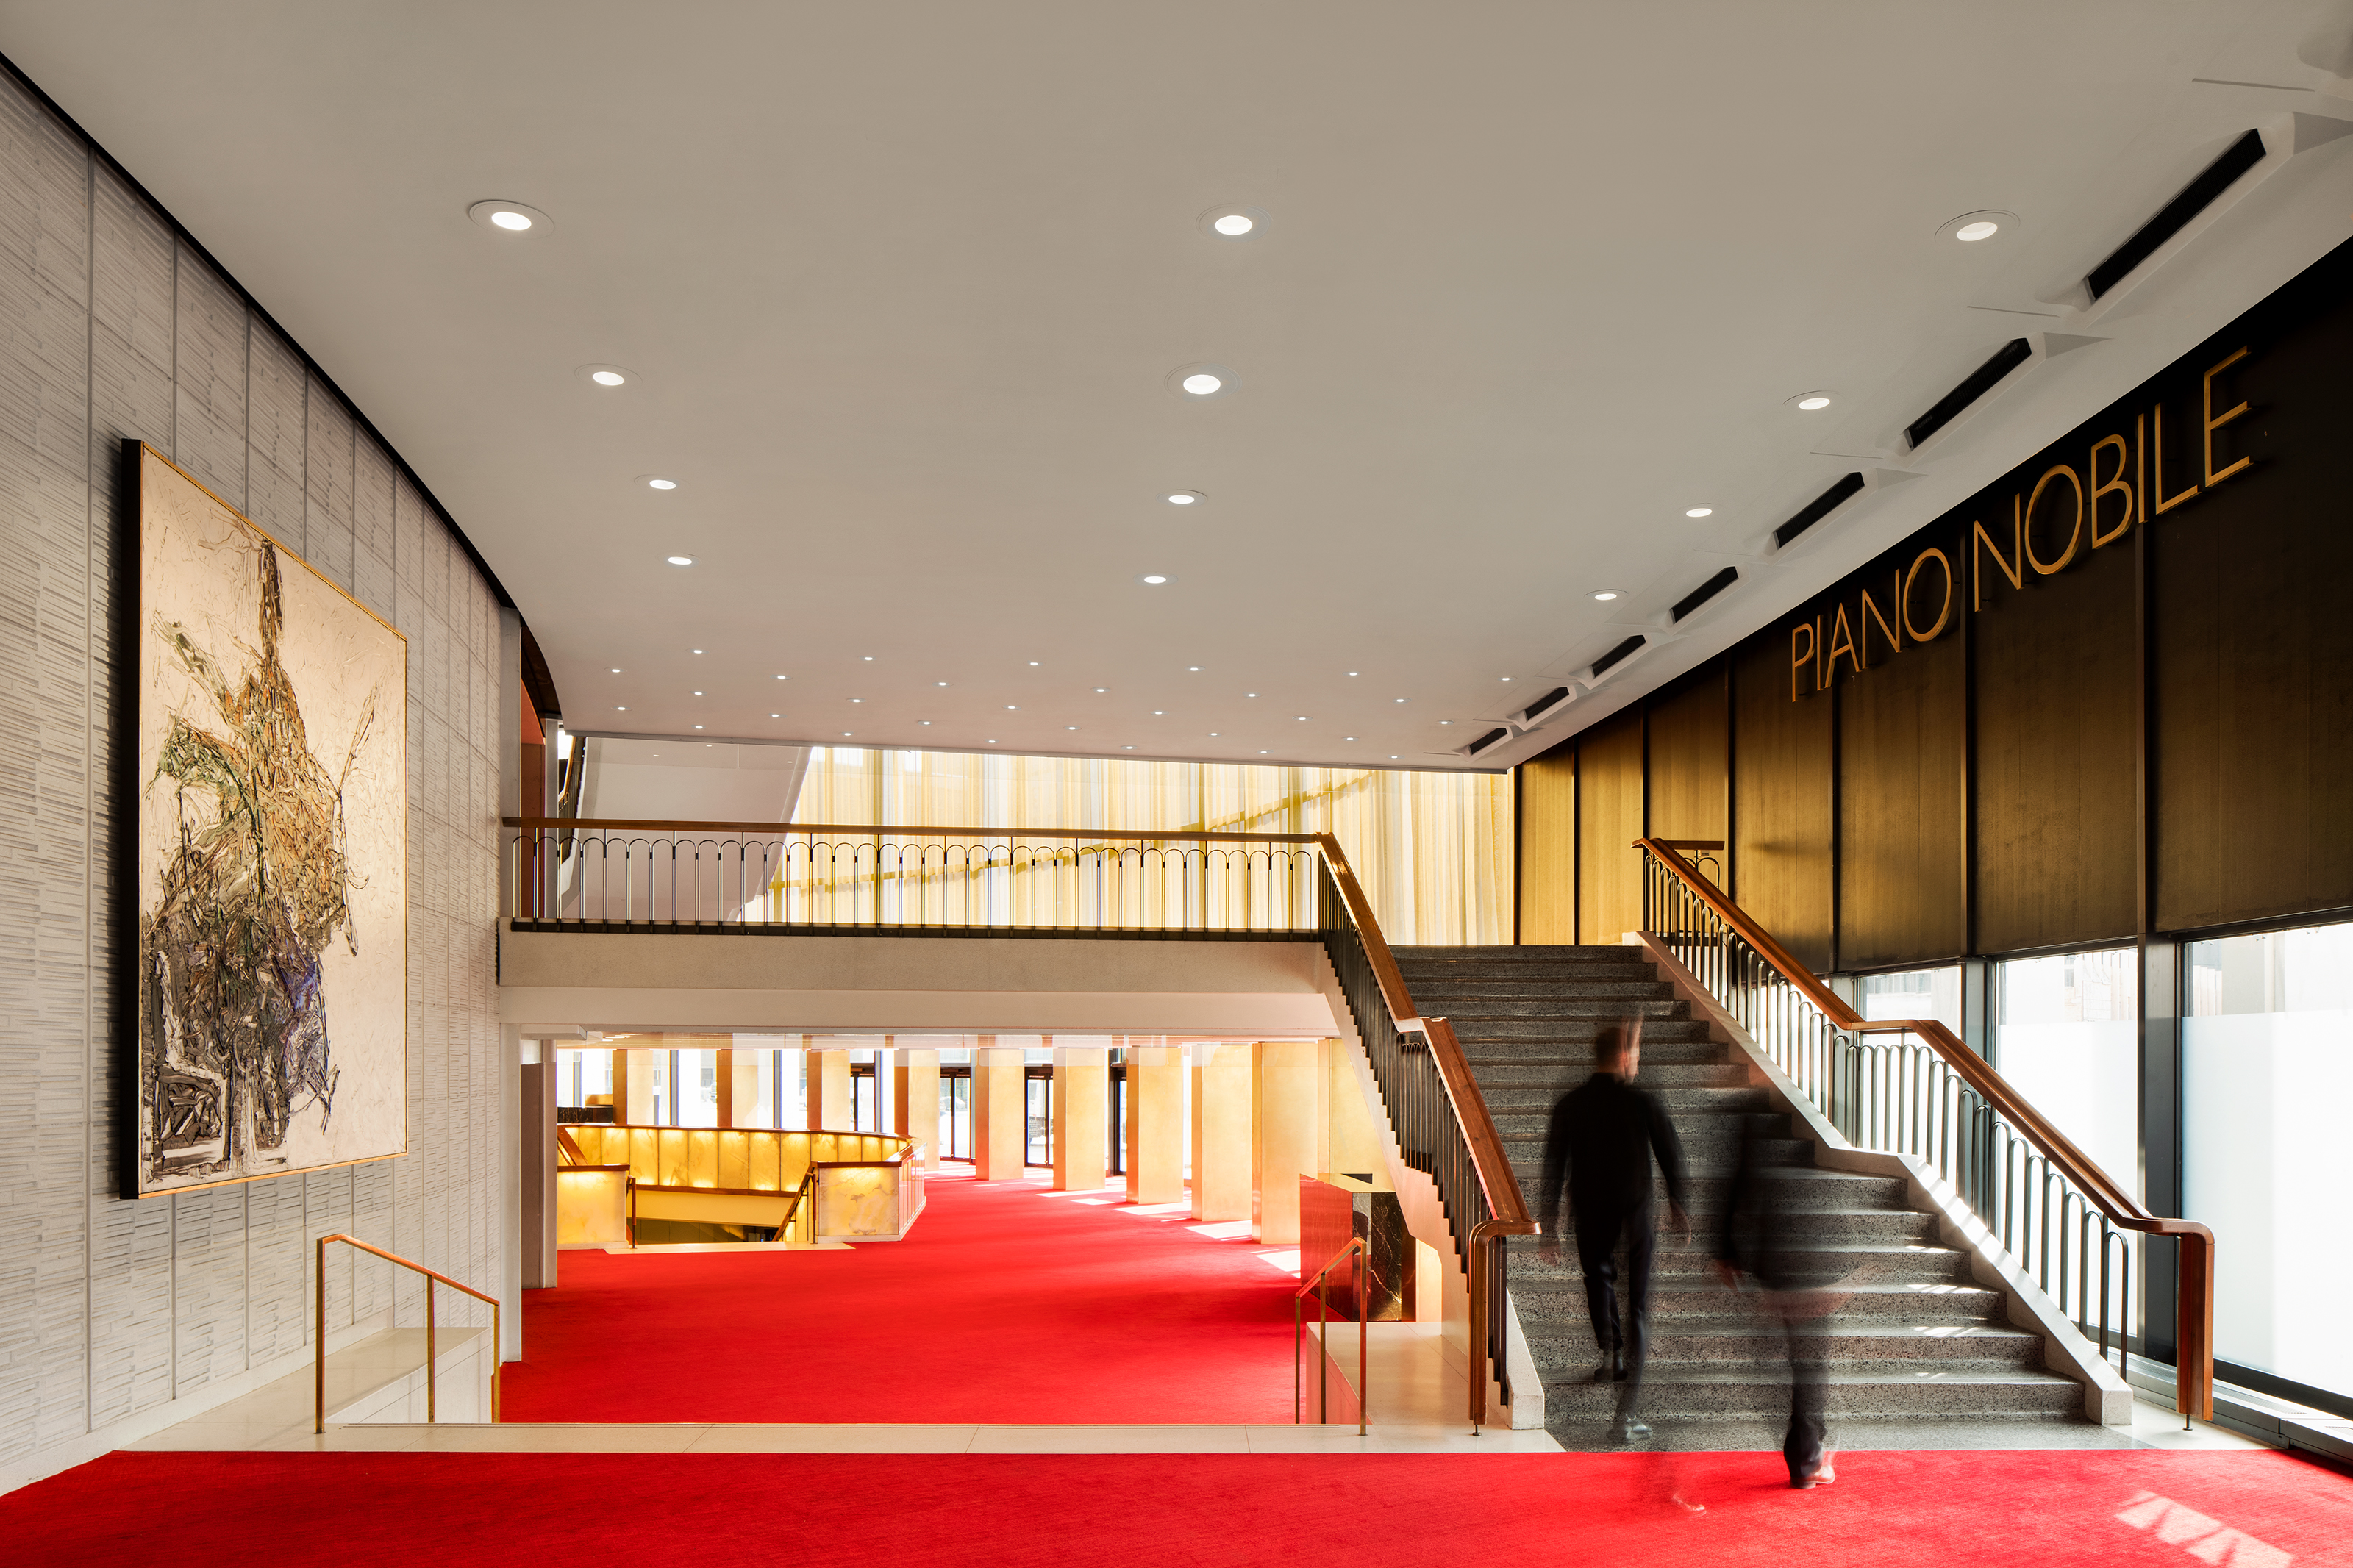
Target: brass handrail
x: 432, y: 1277
x: 1357, y: 1244
x: 1506, y: 1206
x: 2194, y: 1323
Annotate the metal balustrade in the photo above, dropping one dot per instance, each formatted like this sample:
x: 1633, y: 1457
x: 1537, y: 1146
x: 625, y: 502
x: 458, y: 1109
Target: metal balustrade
x: 1910, y: 1087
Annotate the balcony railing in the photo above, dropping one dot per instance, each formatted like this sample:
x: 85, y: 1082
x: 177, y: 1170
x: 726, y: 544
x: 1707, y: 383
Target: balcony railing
x: 728, y: 877
x: 1909, y: 1086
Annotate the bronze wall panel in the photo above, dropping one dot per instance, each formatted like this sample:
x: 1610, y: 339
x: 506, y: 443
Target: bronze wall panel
x: 1609, y: 818
x: 2054, y: 688
x: 1547, y: 824
x: 1781, y: 802
x: 2251, y: 625
x: 1901, y: 890
x: 1690, y: 762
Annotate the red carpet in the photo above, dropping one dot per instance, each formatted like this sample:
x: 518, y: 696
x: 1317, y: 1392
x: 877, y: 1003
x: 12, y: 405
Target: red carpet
x: 2018, y: 1510
x: 1004, y: 1304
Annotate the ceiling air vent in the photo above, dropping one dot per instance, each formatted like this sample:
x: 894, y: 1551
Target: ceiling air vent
x: 1821, y: 507
x: 2176, y: 215
x: 1544, y: 704
x: 1617, y: 655
x: 1980, y: 381
x: 1485, y: 741
x: 1704, y: 592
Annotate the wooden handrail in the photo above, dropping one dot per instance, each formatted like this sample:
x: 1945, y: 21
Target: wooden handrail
x: 319, y: 1414
x: 773, y: 830
x: 1506, y: 1205
x: 2194, y: 1376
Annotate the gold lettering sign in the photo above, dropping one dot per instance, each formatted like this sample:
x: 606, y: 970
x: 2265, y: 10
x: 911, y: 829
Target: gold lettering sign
x: 1833, y: 634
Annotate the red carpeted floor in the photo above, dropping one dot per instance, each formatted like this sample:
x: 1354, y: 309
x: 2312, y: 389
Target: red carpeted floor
x: 1005, y: 1303
x: 2130, y: 1509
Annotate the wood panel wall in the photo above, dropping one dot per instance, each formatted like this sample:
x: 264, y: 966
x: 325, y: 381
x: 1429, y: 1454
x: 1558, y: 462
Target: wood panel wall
x: 1548, y: 870
x: 1608, y: 819
x: 2156, y: 736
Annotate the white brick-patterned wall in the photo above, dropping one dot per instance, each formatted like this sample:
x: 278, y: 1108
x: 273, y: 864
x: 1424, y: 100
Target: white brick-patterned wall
x: 110, y: 1311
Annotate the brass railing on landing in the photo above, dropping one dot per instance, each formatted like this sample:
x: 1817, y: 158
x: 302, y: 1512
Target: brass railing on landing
x: 1910, y: 1086
x: 1360, y: 1278
x: 319, y: 1327
x: 741, y: 878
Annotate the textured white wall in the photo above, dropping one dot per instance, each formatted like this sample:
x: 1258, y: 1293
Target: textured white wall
x: 114, y: 1316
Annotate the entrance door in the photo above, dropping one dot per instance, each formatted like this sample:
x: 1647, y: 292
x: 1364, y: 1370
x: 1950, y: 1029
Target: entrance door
x: 1039, y: 1086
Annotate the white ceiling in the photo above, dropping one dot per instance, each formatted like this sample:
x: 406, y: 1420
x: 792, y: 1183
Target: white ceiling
x: 902, y: 286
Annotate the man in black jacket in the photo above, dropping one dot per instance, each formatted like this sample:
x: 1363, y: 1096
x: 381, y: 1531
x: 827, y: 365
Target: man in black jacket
x: 1598, y: 1148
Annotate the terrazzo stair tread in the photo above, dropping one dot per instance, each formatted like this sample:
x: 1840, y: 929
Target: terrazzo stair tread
x: 1697, y: 1298
x: 1695, y: 1259
x: 2005, y: 1393
x: 1561, y: 1062
x: 1665, y: 1009
x: 1752, y: 1347
x: 1697, y: 1097
x: 1516, y: 1002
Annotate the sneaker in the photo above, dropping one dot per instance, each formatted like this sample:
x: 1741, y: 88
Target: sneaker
x: 1611, y: 1369
x: 1626, y: 1429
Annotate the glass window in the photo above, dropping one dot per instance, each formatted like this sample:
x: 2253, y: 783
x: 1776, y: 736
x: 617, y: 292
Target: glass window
x: 1914, y: 993
x: 2066, y: 1037
x: 698, y: 1089
x: 2267, y: 1071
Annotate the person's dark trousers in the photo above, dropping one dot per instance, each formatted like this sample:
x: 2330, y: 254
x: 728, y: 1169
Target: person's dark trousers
x: 1596, y: 1256
x: 1808, y: 1329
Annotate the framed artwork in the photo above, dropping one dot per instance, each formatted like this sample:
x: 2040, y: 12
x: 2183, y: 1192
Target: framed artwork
x: 268, y: 802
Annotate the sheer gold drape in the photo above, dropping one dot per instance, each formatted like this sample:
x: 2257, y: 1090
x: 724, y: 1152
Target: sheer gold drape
x: 1432, y: 849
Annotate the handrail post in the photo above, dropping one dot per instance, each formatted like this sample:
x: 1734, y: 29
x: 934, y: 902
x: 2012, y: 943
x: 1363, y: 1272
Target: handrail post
x: 318, y: 1344
x: 429, y: 1350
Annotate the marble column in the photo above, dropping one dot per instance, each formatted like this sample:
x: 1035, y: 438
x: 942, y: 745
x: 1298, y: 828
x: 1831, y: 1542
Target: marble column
x: 633, y: 1088
x: 915, y: 1101
x: 999, y: 1113
x: 1221, y: 1132
x: 742, y: 1102
x: 1287, y: 1106
x: 1081, y: 1135
x: 1155, y: 1133
x: 829, y: 1091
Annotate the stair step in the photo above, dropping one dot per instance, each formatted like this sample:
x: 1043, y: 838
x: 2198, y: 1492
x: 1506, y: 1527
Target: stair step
x: 1705, y: 1393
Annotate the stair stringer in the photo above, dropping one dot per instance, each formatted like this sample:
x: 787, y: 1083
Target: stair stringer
x: 2108, y: 1398
x: 1425, y: 1216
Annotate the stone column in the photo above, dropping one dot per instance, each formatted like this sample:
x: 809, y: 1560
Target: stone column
x: 915, y: 1101
x: 829, y: 1091
x: 1082, y: 1136
x: 740, y: 1101
x: 633, y: 1088
x: 1287, y: 1105
x: 1155, y: 1133
x: 999, y: 1113
x: 1221, y: 1132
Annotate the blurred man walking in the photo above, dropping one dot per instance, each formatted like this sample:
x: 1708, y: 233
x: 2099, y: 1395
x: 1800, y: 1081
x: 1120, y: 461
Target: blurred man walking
x: 1597, y: 1152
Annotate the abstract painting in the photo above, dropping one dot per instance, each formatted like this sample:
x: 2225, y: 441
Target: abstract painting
x: 270, y: 793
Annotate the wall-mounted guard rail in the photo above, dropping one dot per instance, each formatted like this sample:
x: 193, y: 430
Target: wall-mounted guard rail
x: 319, y: 1327
x: 1319, y: 1283
x: 1910, y: 1086
x: 601, y: 874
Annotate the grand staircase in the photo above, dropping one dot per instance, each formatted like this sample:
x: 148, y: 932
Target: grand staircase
x: 1917, y: 1340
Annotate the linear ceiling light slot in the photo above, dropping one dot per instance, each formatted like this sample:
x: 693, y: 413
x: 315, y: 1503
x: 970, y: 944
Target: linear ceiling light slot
x: 1979, y: 382
x: 2176, y: 215
x: 1544, y: 704
x: 1821, y: 507
x: 1618, y: 656
x: 1703, y: 592
x: 1485, y: 741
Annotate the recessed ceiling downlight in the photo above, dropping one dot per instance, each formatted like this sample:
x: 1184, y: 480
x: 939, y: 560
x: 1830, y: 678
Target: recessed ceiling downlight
x: 1154, y: 578
x: 1233, y: 222
x: 681, y: 560
x: 1185, y: 498
x: 1195, y: 383
x: 656, y: 483
x: 1699, y: 511
x: 1605, y: 595
x: 1970, y: 228
x: 1809, y: 402
x: 509, y: 217
x: 607, y: 377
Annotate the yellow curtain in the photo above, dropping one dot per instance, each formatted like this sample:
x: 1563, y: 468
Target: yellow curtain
x: 1434, y: 850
